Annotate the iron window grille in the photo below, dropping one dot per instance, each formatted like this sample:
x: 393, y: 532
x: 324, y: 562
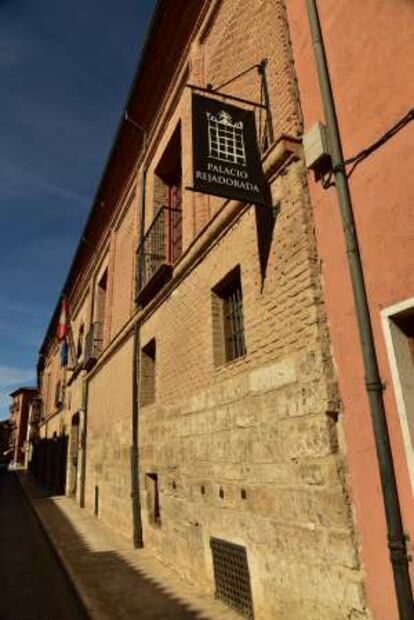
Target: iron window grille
x: 233, y: 323
x: 232, y: 577
x: 158, y: 251
x: 228, y: 303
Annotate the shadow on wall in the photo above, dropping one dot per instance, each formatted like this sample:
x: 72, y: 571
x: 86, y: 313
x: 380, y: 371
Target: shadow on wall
x: 265, y: 225
x: 121, y: 590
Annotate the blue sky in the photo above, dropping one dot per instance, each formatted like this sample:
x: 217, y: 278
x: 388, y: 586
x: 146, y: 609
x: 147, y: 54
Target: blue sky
x: 65, y: 70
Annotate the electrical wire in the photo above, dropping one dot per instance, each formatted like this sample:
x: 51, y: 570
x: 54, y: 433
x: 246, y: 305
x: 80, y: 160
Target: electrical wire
x: 357, y: 159
x: 366, y: 152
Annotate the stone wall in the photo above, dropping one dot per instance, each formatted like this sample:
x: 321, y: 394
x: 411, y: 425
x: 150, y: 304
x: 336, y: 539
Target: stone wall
x: 250, y: 451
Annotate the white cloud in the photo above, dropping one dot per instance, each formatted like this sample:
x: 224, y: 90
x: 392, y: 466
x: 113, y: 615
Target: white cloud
x: 24, y: 180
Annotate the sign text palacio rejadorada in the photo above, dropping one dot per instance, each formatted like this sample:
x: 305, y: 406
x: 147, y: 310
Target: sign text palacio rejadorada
x: 226, y: 159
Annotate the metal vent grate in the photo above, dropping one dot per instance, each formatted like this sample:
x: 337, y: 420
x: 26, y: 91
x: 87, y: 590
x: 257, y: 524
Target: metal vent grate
x: 231, y: 574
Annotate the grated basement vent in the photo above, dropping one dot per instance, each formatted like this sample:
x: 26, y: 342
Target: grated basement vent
x: 231, y: 575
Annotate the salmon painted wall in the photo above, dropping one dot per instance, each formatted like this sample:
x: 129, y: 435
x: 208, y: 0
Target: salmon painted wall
x: 370, y: 49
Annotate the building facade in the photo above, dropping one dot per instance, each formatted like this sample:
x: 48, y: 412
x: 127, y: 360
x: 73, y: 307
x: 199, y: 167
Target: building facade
x: 369, y: 71
x: 200, y: 400
x: 19, y: 415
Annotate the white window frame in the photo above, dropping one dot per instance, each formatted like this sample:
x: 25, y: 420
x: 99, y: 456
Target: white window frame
x: 386, y: 317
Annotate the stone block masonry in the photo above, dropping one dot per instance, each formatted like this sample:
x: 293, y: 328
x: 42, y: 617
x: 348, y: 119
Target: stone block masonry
x: 249, y: 451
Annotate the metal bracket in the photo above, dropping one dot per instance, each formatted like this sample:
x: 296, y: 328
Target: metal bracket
x: 212, y: 91
x: 261, y: 69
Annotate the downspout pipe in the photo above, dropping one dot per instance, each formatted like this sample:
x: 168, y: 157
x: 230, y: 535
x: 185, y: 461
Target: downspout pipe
x: 374, y: 387
x: 85, y: 388
x: 135, y: 492
x: 135, y: 489
x: 84, y: 409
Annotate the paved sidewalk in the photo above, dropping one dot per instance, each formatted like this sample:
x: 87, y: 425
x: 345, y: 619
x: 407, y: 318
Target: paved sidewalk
x: 115, y: 581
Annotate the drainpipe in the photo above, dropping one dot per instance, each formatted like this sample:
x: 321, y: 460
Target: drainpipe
x: 135, y: 492
x: 84, y: 408
x: 85, y: 387
x: 373, y: 384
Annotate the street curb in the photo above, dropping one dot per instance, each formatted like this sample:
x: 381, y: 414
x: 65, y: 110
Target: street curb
x: 83, y: 599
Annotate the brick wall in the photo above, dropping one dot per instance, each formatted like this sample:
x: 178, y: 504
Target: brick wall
x: 109, y: 441
x: 123, y: 268
x: 250, y: 451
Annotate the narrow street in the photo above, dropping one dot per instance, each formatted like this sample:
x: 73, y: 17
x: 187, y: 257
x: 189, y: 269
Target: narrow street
x: 33, y: 585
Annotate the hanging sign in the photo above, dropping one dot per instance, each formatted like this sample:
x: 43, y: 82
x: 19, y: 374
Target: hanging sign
x: 226, y: 159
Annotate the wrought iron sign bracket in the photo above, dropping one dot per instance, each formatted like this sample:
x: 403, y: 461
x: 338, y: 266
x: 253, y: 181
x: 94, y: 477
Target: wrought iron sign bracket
x: 212, y: 91
x: 259, y: 67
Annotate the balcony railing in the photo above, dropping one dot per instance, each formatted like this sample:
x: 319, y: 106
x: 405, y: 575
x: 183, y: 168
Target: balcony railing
x: 160, y: 248
x: 93, y: 344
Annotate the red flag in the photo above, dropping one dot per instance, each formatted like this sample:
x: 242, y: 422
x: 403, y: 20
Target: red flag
x: 63, y: 321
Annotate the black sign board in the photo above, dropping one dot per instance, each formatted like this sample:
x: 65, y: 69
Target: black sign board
x: 226, y: 159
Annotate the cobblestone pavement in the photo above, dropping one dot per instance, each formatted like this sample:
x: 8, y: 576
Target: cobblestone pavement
x: 33, y: 585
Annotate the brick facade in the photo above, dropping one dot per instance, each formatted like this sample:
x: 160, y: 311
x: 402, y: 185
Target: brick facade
x: 250, y: 451
x: 19, y: 415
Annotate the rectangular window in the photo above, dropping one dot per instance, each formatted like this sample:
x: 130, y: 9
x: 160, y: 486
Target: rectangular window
x: 167, y: 195
x: 95, y: 339
x: 228, y: 323
x: 153, y: 500
x: 398, y: 322
x: 58, y: 394
x: 80, y: 343
x: 100, y: 301
x: 147, y: 376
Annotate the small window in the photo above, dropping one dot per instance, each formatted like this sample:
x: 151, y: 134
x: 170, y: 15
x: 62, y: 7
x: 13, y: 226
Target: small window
x: 148, y: 368
x: 58, y: 394
x: 100, y: 299
x: 79, y: 346
x: 228, y: 323
x: 153, y: 500
x: 96, y: 339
